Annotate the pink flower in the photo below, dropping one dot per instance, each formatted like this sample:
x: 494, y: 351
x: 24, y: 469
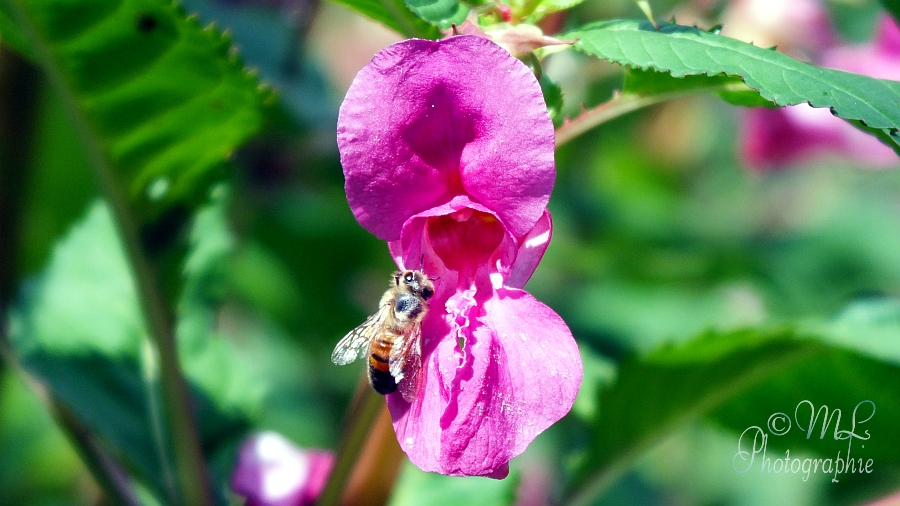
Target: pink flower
x: 447, y: 150
x: 800, y: 28
x: 891, y: 500
x: 273, y: 472
x: 773, y: 138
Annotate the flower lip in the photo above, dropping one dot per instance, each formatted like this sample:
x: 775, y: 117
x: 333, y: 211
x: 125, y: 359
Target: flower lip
x: 484, y: 406
x: 415, y: 131
x: 465, y: 238
x: 456, y: 240
x: 514, y: 259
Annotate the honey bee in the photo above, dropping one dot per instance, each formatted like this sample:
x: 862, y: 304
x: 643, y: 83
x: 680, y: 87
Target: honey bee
x: 392, y: 336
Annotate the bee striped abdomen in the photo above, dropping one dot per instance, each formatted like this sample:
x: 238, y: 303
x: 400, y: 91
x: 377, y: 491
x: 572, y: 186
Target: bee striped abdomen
x: 379, y: 373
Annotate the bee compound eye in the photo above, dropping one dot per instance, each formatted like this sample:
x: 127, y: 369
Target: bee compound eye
x: 427, y: 293
x: 409, y: 277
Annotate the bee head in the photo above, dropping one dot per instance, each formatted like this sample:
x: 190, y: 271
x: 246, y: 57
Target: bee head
x: 417, y: 282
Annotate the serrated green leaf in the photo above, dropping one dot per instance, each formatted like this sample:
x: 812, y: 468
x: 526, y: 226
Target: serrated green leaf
x: 686, y: 51
x: 652, y: 82
x: 440, y: 13
x: 395, y: 15
x: 163, y: 100
x: 738, y: 379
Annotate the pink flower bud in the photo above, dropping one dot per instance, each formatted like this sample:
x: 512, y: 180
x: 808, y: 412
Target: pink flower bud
x: 273, y: 472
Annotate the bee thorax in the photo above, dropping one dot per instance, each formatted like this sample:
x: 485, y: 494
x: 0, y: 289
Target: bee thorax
x: 407, y: 307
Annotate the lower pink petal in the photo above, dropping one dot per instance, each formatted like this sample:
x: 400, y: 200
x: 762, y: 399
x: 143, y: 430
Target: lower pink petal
x: 480, y: 406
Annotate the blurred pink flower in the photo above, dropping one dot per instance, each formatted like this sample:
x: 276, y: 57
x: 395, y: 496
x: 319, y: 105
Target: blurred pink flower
x: 774, y: 138
x: 891, y: 500
x: 447, y: 150
x: 800, y: 28
x: 273, y: 472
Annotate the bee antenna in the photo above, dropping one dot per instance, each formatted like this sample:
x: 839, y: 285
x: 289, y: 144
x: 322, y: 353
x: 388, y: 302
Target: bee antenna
x: 422, y: 264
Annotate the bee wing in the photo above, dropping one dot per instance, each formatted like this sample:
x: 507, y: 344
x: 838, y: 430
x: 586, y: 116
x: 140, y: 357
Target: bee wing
x: 355, y: 344
x: 406, y: 361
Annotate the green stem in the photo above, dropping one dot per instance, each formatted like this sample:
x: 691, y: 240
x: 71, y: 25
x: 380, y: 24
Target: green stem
x: 617, y: 106
x: 360, y: 419
x: 623, y: 103
x: 150, y: 364
x: 190, y: 465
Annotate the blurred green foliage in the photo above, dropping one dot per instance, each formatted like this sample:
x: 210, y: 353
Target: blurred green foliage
x: 705, y: 297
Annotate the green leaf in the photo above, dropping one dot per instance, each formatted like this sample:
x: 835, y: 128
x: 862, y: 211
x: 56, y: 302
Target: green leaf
x: 158, y: 103
x: 37, y: 460
x: 552, y: 95
x: 550, y: 6
x: 739, y: 379
x: 440, y: 13
x: 869, y: 326
x: 60, y: 187
x: 79, y: 330
x: 161, y: 99
x: 395, y: 15
x: 686, y: 51
x: 231, y: 392
x: 732, y: 89
x: 11, y: 36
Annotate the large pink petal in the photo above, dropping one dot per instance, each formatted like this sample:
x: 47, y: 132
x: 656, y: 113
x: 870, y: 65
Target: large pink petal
x: 518, y: 374
x: 426, y: 121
